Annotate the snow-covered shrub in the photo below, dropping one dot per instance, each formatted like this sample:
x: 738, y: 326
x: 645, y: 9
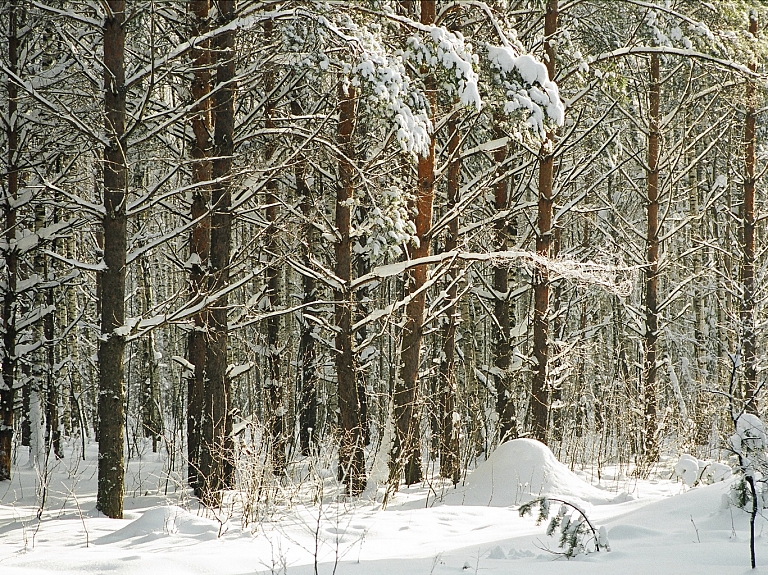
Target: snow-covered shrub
x: 693, y: 471
x: 576, y: 534
x: 749, y: 443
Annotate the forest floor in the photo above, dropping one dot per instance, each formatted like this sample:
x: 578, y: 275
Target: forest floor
x: 653, y: 526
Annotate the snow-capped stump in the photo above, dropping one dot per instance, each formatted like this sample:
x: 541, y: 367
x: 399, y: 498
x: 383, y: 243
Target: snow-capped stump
x: 524, y: 469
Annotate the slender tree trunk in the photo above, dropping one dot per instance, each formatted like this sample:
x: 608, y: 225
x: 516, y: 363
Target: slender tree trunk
x: 52, y: 422
x: 556, y: 398
x: 539, y: 405
x: 650, y: 445
x: 200, y: 236
x: 502, y: 350
x: 450, y: 423
x: 109, y: 499
x: 39, y: 368
x: 351, y: 457
x: 217, y: 448
x: 406, y: 453
x: 273, y: 382
x: 748, y: 335
x: 151, y: 421
x: 10, y: 257
x: 307, y: 356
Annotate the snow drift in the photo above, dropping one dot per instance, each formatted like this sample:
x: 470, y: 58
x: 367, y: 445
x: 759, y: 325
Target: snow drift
x: 522, y: 469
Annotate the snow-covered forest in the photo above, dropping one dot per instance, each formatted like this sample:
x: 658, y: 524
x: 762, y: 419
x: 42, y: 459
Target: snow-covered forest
x: 284, y: 278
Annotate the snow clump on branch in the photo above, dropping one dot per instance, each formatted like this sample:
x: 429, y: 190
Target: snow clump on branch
x: 442, y: 48
x: 528, y: 89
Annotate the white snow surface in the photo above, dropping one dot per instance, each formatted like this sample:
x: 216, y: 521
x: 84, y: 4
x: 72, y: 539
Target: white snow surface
x: 654, y: 526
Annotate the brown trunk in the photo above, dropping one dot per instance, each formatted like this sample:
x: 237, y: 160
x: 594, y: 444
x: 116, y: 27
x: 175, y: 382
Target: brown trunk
x: 308, y: 373
x: 502, y: 350
x: 200, y: 236
x: 748, y: 335
x: 539, y: 405
x: 217, y: 448
x: 406, y: 452
x: 9, y: 296
x: 109, y: 499
x: 449, y: 427
x: 273, y: 383
x: 351, y: 457
x: 650, y: 445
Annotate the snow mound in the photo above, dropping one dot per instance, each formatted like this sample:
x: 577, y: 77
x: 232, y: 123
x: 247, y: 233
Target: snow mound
x: 523, y: 469
x: 167, y: 520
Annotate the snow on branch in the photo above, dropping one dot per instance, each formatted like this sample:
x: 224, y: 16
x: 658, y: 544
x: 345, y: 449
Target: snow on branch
x: 527, y: 88
x: 615, y: 279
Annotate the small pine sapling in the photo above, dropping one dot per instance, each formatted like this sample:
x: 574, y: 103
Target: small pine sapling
x: 577, y: 534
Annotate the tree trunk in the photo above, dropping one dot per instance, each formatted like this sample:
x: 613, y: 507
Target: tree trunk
x: 406, y: 452
x: 539, y: 405
x: 273, y: 382
x: 748, y: 335
x: 307, y: 356
x: 151, y: 421
x: 502, y: 350
x: 10, y: 257
x: 109, y: 499
x: 200, y: 236
x: 351, y: 456
x: 450, y: 466
x: 650, y: 445
x: 217, y: 448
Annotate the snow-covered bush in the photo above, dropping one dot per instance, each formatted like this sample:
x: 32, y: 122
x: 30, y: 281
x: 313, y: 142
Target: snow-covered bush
x: 693, y: 471
x: 748, y: 443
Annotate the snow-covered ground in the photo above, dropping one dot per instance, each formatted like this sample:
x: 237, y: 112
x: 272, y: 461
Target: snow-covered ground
x: 656, y: 526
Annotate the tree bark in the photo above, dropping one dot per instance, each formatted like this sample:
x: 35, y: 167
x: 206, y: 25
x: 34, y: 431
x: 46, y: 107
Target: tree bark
x: 351, y: 456
x: 273, y: 382
x: 200, y: 236
x: 406, y: 452
x: 217, y: 448
x: 748, y: 331
x: 450, y: 466
x: 650, y: 445
x: 539, y: 404
x: 109, y: 499
x: 502, y: 350
x: 307, y: 356
x: 11, y: 261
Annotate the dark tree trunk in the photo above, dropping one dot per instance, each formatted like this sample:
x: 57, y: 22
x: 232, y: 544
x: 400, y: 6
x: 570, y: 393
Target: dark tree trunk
x: 406, y: 452
x: 52, y: 421
x: 449, y: 427
x: 200, y: 236
x: 10, y: 257
x: 307, y: 356
x: 109, y: 499
x: 748, y: 335
x: 351, y: 456
x: 217, y: 448
x: 273, y: 383
x: 502, y: 348
x: 539, y: 405
x: 650, y: 445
